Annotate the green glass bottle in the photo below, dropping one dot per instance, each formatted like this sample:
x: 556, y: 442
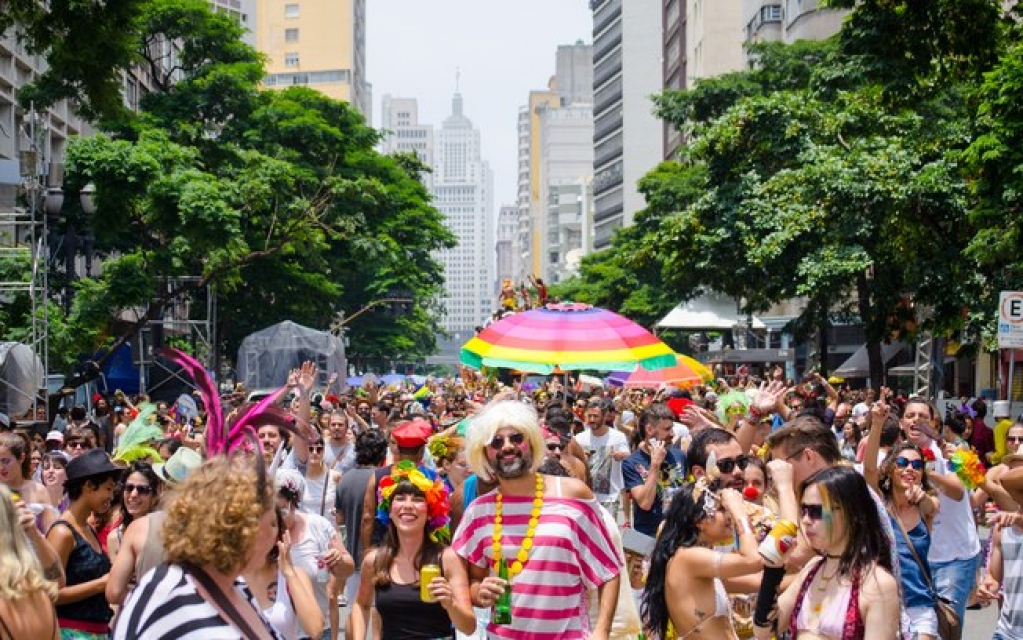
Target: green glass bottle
x: 502, y: 608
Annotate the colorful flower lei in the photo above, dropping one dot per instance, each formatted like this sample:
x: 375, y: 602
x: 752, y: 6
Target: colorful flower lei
x: 966, y: 465
x: 427, y: 481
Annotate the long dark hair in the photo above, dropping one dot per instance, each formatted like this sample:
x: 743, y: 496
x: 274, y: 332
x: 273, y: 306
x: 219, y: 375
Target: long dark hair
x: 429, y: 553
x: 679, y: 531
x: 888, y: 467
x: 146, y: 470
x: 843, y: 488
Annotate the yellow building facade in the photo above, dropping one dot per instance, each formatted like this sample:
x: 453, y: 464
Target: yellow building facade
x: 320, y: 44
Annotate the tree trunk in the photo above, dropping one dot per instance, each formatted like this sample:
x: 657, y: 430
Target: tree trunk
x: 873, y: 335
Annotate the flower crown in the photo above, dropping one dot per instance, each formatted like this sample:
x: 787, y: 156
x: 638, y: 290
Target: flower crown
x: 427, y: 481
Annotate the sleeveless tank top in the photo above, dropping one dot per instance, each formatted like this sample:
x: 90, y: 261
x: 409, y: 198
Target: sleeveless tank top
x: 470, y: 490
x: 1010, y: 621
x: 85, y: 564
x: 406, y: 617
x: 915, y: 591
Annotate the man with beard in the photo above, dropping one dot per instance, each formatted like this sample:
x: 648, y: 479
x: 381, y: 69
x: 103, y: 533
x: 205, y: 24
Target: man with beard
x: 548, y: 529
x: 605, y: 449
x: 731, y: 460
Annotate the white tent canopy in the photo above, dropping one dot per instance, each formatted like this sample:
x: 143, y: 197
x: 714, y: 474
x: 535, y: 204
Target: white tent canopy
x: 711, y: 312
x: 21, y: 378
x: 858, y: 364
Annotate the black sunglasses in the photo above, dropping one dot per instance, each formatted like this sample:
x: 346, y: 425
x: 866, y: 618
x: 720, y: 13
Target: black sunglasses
x: 553, y: 446
x: 811, y: 511
x: 727, y: 465
x: 902, y: 462
x: 515, y: 438
x: 141, y: 489
x: 1016, y: 439
x: 316, y: 447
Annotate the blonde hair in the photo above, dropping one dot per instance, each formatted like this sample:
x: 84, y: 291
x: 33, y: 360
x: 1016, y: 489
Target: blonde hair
x: 500, y: 415
x: 213, y: 516
x: 20, y: 572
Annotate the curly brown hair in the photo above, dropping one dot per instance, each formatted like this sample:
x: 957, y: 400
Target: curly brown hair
x: 213, y: 516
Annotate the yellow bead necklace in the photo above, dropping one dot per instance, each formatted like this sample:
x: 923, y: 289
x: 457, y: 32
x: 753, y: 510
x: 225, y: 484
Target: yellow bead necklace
x: 527, y: 542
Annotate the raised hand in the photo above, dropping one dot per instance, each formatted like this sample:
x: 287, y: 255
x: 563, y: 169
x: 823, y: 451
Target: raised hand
x: 769, y: 396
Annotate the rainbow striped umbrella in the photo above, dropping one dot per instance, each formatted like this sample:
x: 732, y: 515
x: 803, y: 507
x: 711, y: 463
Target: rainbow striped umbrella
x: 571, y: 336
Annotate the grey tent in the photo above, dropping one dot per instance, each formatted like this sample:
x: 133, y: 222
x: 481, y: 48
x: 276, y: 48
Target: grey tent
x: 266, y: 357
x: 21, y: 378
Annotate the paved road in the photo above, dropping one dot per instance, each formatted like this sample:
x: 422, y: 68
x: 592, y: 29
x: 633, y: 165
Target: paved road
x: 980, y: 624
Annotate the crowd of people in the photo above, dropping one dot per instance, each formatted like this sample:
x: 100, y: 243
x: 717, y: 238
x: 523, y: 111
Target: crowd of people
x: 466, y: 508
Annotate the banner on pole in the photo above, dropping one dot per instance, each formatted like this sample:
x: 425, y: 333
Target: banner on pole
x: 1010, y: 320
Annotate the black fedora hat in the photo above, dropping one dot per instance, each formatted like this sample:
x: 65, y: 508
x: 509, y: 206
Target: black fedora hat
x: 94, y: 462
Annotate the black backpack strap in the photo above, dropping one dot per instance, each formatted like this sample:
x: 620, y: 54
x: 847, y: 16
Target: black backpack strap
x: 222, y: 601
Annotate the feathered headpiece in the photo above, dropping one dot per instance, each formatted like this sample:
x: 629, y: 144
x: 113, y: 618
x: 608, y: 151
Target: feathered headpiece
x: 430, y: 484
x: 136, y: 442
x: 224, y: 439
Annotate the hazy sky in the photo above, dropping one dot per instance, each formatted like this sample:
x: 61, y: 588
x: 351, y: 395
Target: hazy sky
x: 502, y: 49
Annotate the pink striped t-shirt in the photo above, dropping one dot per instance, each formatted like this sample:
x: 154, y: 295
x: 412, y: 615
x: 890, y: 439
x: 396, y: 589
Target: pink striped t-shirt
x: 572, y: 552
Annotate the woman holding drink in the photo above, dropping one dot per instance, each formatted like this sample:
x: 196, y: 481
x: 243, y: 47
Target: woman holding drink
x: 416, y: 582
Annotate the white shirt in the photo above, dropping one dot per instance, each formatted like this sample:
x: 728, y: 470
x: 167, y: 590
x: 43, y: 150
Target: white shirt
x: 954, y: 533
x: 605, y: 470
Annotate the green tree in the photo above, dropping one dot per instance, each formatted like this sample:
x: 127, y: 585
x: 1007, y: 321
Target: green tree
x: 277, y: 199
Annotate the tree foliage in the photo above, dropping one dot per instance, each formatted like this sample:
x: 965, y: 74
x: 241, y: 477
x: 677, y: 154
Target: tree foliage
x: 278, y: 200
x: 870, y: 175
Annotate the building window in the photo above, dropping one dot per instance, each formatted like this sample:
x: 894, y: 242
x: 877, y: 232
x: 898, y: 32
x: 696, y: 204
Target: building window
x: 291, y: 35
x: 291, y: 10
x: 291, y: 59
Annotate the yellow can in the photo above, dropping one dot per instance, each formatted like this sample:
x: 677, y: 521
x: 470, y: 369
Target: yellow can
x: 426, y: 575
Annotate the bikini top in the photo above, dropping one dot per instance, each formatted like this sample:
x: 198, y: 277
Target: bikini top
x: 839, y: 618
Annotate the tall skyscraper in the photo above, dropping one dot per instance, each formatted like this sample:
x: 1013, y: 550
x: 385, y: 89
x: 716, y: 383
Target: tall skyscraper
x: 556, y: 167
x: 463, y: 192
x: 627, y: 138
x: 402, y: 131
x: 316, y: 43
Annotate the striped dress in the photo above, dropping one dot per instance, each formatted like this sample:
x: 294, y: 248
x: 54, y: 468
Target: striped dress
x: 166, y: 606
x: 572, y: 552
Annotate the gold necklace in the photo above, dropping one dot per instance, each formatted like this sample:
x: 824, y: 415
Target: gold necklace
x: 824, y: 581
x: 527, y: 542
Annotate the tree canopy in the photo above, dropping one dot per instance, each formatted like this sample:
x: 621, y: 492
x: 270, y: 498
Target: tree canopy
x: 870, y: 174
x: 276, y: 199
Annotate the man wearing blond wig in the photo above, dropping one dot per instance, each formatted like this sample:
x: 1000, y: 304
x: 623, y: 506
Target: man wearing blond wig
x: 548, y: 529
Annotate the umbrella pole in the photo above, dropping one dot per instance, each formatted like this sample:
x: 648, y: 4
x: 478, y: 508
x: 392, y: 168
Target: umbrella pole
x: 518, y: 385
x: 564, y: 393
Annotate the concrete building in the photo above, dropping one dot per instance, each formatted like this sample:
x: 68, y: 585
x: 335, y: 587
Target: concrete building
x: 316, y: 43
x: 714, y: 38
x: 402, y: 131
x: 505, y: 245
x: 789, y: 20
x: 565, y: 170
x: 555, y: 151
x: 674, y: 64
x: 463, y: 192
x: 627, y: 138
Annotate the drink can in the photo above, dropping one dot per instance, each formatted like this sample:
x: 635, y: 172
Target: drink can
x: 427, y: 574
x: 778, y: 543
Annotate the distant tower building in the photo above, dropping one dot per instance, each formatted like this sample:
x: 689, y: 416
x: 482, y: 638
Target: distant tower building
x: 627, y: 138
x: 401, y: 131
x: 316, y: 43
x: 556, y: 167
x: 505, y: 249
x: 463, y: 192
x: 673, y: 56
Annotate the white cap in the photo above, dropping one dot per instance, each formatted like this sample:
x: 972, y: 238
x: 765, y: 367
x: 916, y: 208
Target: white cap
x: 860, y: 409
x: 1000, y: 409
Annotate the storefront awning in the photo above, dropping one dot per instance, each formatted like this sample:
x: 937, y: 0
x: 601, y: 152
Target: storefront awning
x: 858, y: 364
